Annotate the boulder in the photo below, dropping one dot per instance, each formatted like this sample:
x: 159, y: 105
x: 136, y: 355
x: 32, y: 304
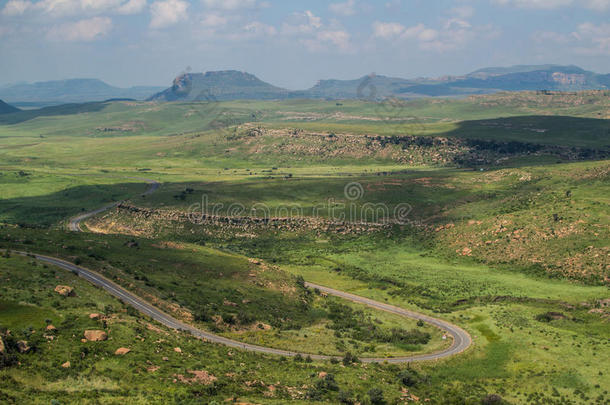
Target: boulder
x: 94, y: 316
x: 64, y: 290
x: 22, y: 346
x: 50, y: 328
x: 177, y: 350
x: 95, y: 335
x: 66, y: 364
x: 121, y: 351
x: 2, y: 348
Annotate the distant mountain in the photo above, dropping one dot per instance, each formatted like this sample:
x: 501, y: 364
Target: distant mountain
x: 515, y: 78
x: 7, y: 108
x: 367, y: 87
x: 221, y: 85
x: 71, y: 91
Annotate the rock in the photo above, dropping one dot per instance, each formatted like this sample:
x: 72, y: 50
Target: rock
x: 94, y: 316
x: 165, y: 358
x: 2, y: 348
x: 51, y: 328
x: 121, y: 351
x: 64, y: 290
x: 95, y: 335
x: 177, y: 350
x: 22, y: 346
x: 66, y: 364
x: 322, y: 374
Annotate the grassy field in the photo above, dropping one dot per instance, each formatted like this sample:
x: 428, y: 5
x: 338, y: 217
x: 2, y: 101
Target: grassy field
x: 506, y: 236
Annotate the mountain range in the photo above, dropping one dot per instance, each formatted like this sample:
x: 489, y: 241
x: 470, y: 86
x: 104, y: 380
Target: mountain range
x: 233, y: 85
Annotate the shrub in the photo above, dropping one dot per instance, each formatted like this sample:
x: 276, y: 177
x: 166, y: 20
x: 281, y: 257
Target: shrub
x: 408, y: 377
x: 376, y: 396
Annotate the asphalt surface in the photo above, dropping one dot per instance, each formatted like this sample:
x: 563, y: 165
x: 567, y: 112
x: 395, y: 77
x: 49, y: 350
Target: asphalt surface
x: 460, y: 339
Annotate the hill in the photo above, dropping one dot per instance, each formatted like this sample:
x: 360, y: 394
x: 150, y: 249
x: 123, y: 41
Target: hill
x: 221, y: 85
x: 71, y: 91
x: 7, y: 108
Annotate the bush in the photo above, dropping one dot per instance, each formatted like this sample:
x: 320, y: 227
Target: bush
x: 349, y: 359
x: 408, y: 377
x: 345, y: 397
x: 492, y: 399
x: 376, y: 396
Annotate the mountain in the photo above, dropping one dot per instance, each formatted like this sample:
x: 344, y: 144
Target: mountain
x: 221, y: 85
x: 367, y: 87
x: 7, y: 108
x: 71, y: 91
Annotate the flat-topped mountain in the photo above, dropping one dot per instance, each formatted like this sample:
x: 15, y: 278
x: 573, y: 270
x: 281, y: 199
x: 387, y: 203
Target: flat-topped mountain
x: 220, y: 85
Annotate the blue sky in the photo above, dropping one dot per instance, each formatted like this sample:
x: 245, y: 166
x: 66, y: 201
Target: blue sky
x: 294, y: 43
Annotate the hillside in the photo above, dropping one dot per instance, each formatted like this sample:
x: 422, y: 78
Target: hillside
x: 7, y: 108
x: 221, y: 85
x: 71, y: 91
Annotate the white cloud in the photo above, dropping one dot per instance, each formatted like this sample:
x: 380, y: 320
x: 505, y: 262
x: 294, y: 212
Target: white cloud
x: 16, y: 7
x: 167, y: 12
x: 347, y: 8
x: 64, y: 8
x: 132, y: 7
x: 455, y: 33
x: 588, y: 39
x: 229, y: 4
x: 214, y: 21
x: 387, y: 30
x: 83, y: 30
x: 600, y: 5
x: 258, y: 29
x: 302, y: 23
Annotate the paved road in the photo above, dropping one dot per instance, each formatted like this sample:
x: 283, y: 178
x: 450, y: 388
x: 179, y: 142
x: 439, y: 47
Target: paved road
x: 460, y: 338
x: 74, y: 224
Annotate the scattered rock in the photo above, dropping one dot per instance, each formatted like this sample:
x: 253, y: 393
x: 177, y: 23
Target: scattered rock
x: 94, y: 316
x: 228, y: 303
x: 95, y: 335
x: 199, y: 377
x: 121, y: 351
x: 50, y: 328
x: 22, y: 346
x: 64, y: 290
x: 66, y: 364
x: 322, y: 374
x: 152, y: 369
x: 177, y: 350
x: 165, y: 359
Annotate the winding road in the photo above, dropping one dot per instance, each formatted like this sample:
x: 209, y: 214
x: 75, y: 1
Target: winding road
x: 460, y: 338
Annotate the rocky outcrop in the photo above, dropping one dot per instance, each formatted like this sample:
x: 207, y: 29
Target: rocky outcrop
x: 64, y: 290
x: 95, y: 335
x: 22, y: 346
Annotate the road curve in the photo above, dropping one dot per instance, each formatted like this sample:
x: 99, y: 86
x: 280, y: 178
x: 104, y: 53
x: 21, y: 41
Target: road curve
x: 461, y: 340
x: 74, y: 223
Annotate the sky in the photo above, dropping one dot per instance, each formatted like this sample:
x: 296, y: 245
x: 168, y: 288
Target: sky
x: 293, y: 44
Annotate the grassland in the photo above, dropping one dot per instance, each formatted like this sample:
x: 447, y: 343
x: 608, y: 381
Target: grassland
x: 514, y: 251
